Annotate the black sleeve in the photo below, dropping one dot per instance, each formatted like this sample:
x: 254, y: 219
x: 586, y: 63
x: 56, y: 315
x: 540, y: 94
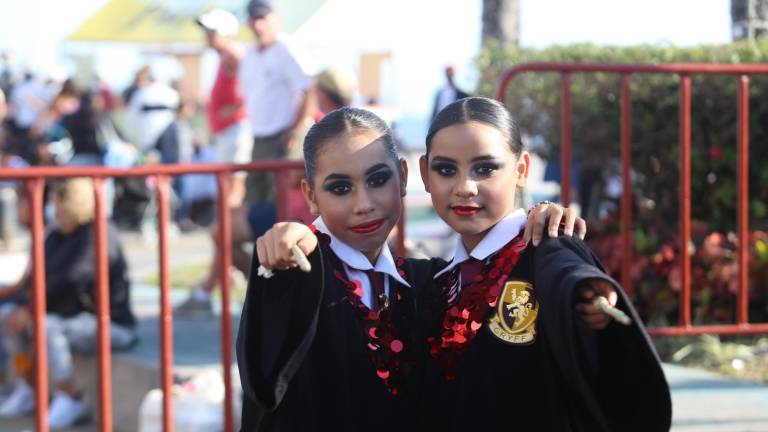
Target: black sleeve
x: 606, y: 368
x: 277, y: 328
x: 119, y: 281
x: 74, y: 274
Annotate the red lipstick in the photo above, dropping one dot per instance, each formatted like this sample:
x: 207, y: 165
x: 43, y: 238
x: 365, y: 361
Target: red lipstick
x: 367, y: 227
x: 465, y: 211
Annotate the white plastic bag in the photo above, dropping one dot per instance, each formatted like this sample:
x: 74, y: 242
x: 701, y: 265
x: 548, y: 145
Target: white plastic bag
x: 197, y: 405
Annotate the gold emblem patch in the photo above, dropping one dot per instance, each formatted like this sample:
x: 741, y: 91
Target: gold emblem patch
x: 515, y: 319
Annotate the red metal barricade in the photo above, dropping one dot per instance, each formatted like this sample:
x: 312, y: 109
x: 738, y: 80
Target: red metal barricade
x: 684, y: 71
x: 35, y: 178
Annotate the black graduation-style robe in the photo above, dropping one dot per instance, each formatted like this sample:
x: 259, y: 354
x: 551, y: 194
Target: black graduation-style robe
x: 569, y: 378
x: 303, y: 357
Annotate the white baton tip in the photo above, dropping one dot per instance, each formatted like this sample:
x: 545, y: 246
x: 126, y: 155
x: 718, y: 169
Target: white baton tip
x: 602, y: 304
x: 302, y: 260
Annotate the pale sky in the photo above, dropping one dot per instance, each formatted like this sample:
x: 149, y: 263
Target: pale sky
x: 625, y: 22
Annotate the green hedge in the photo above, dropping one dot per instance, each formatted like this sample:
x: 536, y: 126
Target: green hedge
x: 535, y: 99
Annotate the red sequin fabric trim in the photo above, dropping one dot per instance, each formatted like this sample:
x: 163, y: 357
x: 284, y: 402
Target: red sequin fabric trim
x: 387, y: 345
x: 462, y: 320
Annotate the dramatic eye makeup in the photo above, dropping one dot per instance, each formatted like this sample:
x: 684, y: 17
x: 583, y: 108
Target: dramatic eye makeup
x: 338, y: 187
x: 486, y: 169
x: 379, y: 179
x: 443, y: 166
x: 375, y: 177
x: 482, y: 166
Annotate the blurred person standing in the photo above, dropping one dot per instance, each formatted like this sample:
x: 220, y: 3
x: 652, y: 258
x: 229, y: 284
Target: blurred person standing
x: 107, y: 95
x: 64, y: 103
x: 3, y: 113
x: 177, y: 144
x: 276, y: 85
x: 141, y: 79
x: 152, y: 109
x: 335, y: 88
x: 227, y: 118
x: 66, y: 100
x: 448, y: 93
x: 197, y: 198
x: 83, y: 127
x: 28, y: 102
x: 7, y: 76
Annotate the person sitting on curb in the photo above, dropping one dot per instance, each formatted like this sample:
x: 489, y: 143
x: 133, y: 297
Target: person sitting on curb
x: 71, y: 321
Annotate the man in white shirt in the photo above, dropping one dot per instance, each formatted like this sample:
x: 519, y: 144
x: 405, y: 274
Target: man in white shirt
x: 275, y: 82
x: 153, y: 108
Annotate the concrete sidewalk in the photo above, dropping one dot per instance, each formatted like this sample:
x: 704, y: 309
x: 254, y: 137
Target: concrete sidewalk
x: 702, y: 401
x: 707, y: 402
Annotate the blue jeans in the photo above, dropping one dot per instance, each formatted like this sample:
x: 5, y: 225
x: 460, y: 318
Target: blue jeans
x: 73, y: 334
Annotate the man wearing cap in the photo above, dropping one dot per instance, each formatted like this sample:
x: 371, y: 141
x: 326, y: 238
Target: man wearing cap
x: 276, y: 85
x: 227, y: 118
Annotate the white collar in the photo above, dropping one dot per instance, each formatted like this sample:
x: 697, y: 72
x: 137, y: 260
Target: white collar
x: 499, y: 235
x: 352, y: 257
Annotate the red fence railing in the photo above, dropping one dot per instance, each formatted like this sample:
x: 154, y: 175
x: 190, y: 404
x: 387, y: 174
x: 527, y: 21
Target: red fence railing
x: 684, y: 72
x: 34, y: 179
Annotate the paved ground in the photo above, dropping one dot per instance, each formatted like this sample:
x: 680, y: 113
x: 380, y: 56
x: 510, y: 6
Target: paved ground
x: 702, y: 401
x: 706, y: 402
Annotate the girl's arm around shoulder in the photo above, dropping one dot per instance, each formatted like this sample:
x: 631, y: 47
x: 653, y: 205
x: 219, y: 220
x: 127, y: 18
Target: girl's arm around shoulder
x: 564, y: 262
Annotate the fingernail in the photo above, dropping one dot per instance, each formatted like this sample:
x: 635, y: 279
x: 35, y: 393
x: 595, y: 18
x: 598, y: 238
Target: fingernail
x: 553, y: 233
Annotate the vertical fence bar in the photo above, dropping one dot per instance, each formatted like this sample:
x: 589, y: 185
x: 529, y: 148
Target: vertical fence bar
x: 281, y: 198
x: 685, y: 199
x: 225, y: 263
x: 166, y: 319
x: 35, y: 194
x: 565, y: 138
x: 626, y: 181
x: 742, y: 174
x: 104, y: 342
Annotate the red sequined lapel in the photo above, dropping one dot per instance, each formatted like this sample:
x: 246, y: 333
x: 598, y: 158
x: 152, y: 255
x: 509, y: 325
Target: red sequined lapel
x: 461, y: 321
x: 388, y: 342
